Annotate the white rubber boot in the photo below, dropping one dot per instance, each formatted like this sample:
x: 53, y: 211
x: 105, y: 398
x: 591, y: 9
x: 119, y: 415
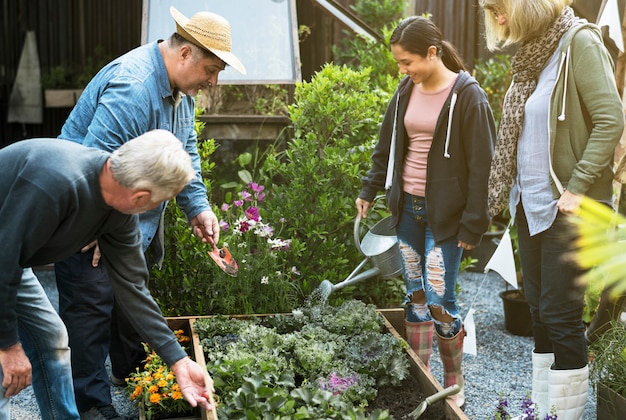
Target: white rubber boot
x: 567, y: 392
x: 539, y: 395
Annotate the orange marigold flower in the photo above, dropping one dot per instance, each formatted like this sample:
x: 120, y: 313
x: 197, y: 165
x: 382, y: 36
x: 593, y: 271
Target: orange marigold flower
x: 136, y: 393
x: 153, y: 389
x: 155, y: 398
x: 162, y: 383
x: 175, y: 387
x: 158, y: 375
x: 177, y: 395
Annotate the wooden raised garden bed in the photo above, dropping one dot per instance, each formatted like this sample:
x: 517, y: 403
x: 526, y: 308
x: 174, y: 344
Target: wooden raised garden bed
x: 394, y: 322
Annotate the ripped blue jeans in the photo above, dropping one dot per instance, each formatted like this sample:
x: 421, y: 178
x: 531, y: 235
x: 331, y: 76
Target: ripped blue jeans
x: 428, y: 267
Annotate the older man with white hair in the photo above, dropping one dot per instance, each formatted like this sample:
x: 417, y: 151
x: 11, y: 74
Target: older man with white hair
x: 56, y: 197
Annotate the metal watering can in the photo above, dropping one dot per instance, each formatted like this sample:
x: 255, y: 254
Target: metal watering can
x: 380, y: 246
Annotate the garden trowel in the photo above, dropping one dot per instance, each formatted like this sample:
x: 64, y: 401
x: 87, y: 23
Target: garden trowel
x: 222, y: 257
x: 224, y: 260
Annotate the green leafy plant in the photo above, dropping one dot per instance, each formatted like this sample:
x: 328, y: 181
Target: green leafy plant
x: 359, y: 52
x: 609, y: 358
x: 71, y: 77
x: 495, y: 75
x: 319, y: 362
x: 315, y: 179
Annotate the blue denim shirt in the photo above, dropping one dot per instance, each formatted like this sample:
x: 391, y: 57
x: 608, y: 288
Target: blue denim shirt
x: 128, y: 97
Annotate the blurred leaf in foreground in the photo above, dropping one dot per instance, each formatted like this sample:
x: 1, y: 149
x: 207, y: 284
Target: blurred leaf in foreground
x: 602, y: 245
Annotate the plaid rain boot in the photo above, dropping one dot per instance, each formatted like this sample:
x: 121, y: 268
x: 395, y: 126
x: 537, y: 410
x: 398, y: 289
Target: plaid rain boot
x: 451, y: 352
x: 419, y: 335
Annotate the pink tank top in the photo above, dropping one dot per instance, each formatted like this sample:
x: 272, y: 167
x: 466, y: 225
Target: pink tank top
x: 420, y: 121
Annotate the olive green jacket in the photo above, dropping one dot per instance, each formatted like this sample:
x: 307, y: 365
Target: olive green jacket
x: 586, y: 116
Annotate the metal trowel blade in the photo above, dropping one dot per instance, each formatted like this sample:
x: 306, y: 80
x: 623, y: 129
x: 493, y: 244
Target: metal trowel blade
x: 225, y: 260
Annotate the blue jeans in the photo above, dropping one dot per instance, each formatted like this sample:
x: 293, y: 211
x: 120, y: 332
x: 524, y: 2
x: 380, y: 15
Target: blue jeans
x: 45, y: 341
x: 86, y: 305
x: 429, y: 267
x: 553, y: 293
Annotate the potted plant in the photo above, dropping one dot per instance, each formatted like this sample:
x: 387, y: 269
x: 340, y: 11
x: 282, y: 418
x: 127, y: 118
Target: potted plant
x: 59, y: 90
x: 63, y: 84
x: 517, y: 318
x: 608, y: 371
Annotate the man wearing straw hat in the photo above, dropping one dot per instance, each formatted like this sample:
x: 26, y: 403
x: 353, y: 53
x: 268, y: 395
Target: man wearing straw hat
x: 150, y: 87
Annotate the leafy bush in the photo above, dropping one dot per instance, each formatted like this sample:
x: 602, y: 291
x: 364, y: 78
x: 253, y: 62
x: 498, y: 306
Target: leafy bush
x: 316, y: 178
x: 494, y: 75
x: 360, y: 53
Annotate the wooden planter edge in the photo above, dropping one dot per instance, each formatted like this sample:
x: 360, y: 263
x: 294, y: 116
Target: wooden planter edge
x: 394, y: 322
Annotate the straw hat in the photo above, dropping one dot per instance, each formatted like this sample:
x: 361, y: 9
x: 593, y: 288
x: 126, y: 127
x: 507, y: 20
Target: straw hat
x: 209, y: 31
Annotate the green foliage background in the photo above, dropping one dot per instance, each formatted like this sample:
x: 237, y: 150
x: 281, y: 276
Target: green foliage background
x: 311, y: 181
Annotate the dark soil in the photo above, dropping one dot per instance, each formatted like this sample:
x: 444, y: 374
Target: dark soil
x: 402, y: 400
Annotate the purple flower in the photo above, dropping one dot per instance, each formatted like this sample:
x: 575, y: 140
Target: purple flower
x: 252, y: 213
x: 260, y: 196
x: 266, y: 231
x: 238, y: 203
x: 224, y: 207
x: 256, y: 187
x: 246, y: 196
x: 224, y: 225
x: 244, y: 226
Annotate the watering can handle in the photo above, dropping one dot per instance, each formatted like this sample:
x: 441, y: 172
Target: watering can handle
x: 357, y: 221
x: 357, y: 235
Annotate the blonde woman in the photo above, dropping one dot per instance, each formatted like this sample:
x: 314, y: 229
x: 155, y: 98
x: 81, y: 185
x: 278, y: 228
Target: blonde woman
x: 561, y: 120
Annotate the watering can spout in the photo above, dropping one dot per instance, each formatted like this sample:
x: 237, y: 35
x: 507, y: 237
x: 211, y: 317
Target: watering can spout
x: 380, y: 246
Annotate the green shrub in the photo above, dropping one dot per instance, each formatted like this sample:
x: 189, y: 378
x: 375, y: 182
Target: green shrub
x: 316, y: 178
x: 494, y: 75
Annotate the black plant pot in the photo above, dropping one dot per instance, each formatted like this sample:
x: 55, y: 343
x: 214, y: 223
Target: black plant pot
x: 487, y: 247
x: 517, y: 318
x: 611, y: 405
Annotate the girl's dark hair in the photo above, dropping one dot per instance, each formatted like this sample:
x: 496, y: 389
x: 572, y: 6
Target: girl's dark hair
x: 416, y: 33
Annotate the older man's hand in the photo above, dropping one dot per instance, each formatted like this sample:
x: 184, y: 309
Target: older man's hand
x: 195, y: 383
x: 16, y: 369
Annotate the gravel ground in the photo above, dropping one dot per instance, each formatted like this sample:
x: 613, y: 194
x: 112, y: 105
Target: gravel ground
x: 502, y: 363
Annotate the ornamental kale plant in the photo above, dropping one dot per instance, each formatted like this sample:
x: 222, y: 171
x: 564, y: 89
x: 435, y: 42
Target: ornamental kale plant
x: 300, y: 365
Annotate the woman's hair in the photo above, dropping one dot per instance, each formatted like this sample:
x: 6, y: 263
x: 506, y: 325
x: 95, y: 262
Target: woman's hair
x: 416, y: 34
x: 155, y: 161
x: 526, y: 20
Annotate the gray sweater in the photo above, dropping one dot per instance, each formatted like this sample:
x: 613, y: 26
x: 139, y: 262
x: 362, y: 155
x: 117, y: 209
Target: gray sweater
x: 50, y: 207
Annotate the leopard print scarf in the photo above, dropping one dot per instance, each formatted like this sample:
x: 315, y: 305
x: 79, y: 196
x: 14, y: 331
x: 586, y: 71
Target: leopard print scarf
x: 526, y: 64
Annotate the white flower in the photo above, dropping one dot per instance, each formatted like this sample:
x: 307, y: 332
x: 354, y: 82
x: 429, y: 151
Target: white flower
x: 265, y: 280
